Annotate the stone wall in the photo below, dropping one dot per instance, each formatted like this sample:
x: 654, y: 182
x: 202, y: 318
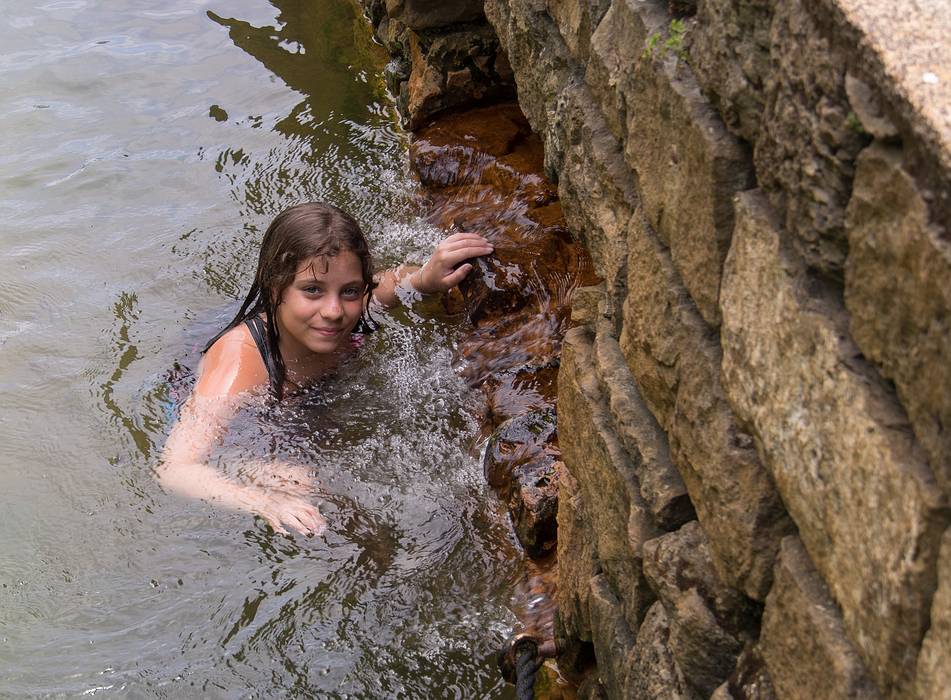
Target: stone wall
x: 755, y: 403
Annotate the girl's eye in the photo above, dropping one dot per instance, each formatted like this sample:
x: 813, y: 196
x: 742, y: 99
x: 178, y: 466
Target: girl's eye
x: 351, y: 293
x: 312, y: 290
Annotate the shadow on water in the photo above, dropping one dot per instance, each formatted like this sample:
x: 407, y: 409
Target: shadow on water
x: 314, y: 49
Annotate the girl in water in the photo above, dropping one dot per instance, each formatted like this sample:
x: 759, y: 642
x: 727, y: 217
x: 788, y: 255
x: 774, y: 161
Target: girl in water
x: 310, y: 296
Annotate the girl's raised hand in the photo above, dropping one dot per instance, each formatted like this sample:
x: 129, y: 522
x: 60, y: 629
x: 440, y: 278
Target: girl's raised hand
x: 443, y: 270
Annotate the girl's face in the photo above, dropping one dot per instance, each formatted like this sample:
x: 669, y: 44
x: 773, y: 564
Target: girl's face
x: 320, y: 307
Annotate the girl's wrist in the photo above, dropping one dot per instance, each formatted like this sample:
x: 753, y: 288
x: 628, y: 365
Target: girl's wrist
x: 416, y: 281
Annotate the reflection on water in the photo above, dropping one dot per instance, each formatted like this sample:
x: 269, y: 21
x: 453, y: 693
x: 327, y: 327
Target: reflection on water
x: 144, y: 151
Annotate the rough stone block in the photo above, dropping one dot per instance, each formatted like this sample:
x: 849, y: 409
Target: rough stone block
x: 613, y: 639
x: 898, y: 290
x: 447, y: 70
x: 576, y: 21
x: 803, y: 639
x: 652, y: 670
x: 729, y: 53
x: 836, y: 442
x: 750, y: 679
x: 676, y: 364
x: 688, y: 165
x: 595, y: 186
x: 661, y: 485
x: 806, y: 148
x: 594, y: 455
x: 709, y: 621
x: 577, y: 560
x: 934, y: 662
x: 606, y: 57
x: 539, y: 58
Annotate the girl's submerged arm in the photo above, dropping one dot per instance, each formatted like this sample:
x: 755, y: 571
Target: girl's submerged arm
x: 231, y: 370
x: 441, y: 272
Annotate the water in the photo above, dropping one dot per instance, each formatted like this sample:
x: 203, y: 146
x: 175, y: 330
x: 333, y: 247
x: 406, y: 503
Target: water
x: 143, y: 149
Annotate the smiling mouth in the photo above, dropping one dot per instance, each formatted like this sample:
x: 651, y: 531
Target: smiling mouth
x: 328, y: 331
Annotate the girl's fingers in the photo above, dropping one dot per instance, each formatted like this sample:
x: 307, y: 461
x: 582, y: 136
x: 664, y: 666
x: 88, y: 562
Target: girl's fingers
x: 454, y: 257
x: 462, y: 236
x: 275, y: 523
x: 458, y: 275
x: 479, y: 243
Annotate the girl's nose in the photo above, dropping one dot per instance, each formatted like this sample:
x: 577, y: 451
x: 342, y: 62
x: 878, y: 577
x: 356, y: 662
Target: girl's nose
x: 333, y: 308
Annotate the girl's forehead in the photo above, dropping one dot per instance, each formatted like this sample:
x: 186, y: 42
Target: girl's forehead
x: 344, y: 264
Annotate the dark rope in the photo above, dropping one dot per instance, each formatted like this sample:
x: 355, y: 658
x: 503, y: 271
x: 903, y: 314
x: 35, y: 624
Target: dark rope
x: 527, y: 664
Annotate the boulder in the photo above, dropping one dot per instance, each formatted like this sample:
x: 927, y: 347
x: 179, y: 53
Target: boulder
x: 807, y: 144
x: 688, y: 165
x: 575, y: 547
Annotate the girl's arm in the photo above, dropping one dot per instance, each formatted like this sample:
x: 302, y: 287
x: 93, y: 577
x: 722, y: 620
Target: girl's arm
x: 230, y: 370
x: 441, y: 272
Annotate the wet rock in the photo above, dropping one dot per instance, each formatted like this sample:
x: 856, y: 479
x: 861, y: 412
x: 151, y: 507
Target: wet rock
x: 709, y: 621
x: 676, y: 364
x: 750, y: 679
x: 836, y: 442
x: 652, y: 670
x: 803, y: 639
x: 447, y: 68
x: 528, y: 337
x: 521, y: 461
x: 533, y: 505
x: 934, y: 662
x: 493, y: 130
x: 534, y: 599
x: 511, y: 393
x: 898, y: 290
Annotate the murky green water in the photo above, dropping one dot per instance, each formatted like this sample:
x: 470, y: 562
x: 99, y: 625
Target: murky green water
x: 143, y: 149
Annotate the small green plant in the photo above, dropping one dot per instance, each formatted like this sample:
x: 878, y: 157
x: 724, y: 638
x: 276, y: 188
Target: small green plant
x: 855, y: 124
x: 674, y: 43
x: 652, y: 41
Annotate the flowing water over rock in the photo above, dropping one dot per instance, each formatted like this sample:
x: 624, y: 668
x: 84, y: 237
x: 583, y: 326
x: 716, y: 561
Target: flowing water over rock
x: 145, y: 148
x: 481, y: 170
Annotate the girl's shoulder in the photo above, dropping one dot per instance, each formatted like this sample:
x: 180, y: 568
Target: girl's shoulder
x: 232, y: 365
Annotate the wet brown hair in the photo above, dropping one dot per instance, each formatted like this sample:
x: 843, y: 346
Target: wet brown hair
x: 297, y: 234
